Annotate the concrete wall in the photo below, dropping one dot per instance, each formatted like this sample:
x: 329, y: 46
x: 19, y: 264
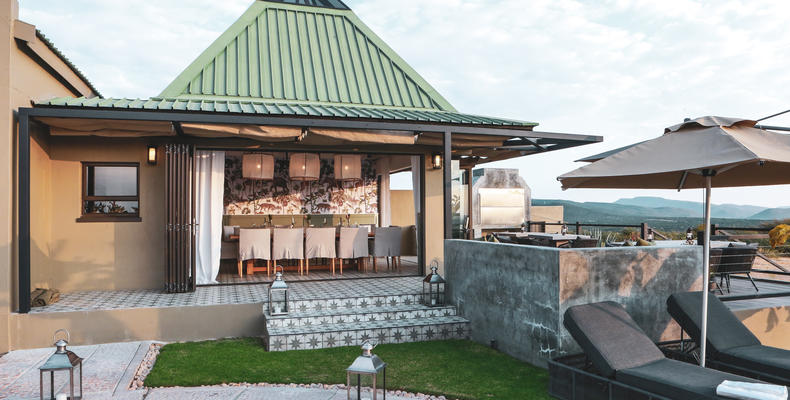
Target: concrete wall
x: 95, y: 255
x: 641, y: 279
x: 517, y: 294
x: 508, y: 292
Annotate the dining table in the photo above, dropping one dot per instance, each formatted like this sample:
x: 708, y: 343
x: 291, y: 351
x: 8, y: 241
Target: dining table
x: 235, y: 237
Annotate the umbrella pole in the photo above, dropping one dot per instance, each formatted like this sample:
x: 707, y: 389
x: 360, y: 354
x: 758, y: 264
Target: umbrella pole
x: 705, y: 272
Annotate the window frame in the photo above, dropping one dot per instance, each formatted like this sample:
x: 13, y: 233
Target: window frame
x: 90, y: 217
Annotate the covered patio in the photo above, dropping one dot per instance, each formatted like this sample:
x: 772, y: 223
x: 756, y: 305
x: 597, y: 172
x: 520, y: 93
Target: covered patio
x: 137, y: 209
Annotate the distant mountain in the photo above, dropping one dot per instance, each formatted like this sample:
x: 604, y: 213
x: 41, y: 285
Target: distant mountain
x: 669, y: 216
x: 589, y: 211
x: 773, y: 214
x: 695, y: 208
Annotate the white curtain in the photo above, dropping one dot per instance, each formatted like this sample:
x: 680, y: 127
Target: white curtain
x: 210, y: 191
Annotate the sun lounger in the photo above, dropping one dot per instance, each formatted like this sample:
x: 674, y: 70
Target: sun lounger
x: 620, y: 351
x: 731, y: 346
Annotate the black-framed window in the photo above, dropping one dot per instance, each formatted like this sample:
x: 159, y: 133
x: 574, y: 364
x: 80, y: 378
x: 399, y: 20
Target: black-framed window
x: 110, y: 192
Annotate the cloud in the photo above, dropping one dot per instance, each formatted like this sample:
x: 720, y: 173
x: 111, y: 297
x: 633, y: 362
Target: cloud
x: 617, y: 68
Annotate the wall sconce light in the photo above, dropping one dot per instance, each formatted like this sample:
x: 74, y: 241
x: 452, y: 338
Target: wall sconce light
x: 436, y: 160
x: 152, y: 154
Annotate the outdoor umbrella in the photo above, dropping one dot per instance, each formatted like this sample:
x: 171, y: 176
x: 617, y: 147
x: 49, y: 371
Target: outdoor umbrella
x: 701, y: 153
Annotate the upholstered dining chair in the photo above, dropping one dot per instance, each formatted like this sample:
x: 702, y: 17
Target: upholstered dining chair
x: 288, y: 244
x: 319, y: 243
x: 387, y: 244
x: 353, y: 244
x: 254, y: 244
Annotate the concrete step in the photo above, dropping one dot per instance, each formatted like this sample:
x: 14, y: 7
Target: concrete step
x: 319, y: 336
x: 352, y: 302
x: 358, y: 315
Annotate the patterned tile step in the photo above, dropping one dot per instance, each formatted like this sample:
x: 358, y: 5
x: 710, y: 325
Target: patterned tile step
x: 353, y: 302
x: 358, y: 315
x: 336, y: 335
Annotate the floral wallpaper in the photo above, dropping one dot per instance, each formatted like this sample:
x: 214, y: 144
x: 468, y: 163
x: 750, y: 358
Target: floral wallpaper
x: 283, y: 196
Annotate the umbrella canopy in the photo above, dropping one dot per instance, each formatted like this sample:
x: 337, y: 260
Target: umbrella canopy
x: 700, y: 153
x: 740, y: 155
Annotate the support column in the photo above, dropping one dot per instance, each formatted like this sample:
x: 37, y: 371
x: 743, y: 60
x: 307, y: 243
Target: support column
x: 23, y: 170
x: 447, y: 164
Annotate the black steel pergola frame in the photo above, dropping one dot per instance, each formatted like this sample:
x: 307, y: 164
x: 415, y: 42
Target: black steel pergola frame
x: 527, y: 140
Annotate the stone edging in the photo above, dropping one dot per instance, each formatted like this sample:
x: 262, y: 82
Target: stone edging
x: 145, y: 366
x: 418, y: 396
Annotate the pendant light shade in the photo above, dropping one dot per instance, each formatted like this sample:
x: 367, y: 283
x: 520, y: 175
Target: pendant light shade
x: 257, y: 166
x: 348, y: 167
x: 304, y: 167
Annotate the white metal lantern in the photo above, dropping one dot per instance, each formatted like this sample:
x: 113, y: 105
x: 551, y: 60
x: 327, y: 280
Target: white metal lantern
x: 433, y: 287
x: 348, y: 167
x: 61, y: 360
x: 278, y: 294
x: 257, y: 166
x: 368, y: 364
x: 304, y: 167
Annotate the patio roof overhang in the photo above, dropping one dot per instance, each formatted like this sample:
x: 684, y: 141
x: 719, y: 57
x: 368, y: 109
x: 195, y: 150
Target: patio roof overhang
x: 475, y: 139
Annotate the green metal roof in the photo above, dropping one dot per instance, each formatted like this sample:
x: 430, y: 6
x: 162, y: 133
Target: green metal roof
x: 316, y: 3
x: 288, y: 51
x: 285, y: 108
x: 68, y: 62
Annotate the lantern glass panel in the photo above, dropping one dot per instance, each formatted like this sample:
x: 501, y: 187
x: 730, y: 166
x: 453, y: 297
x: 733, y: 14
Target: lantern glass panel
x: 278, y: 301
x: 66, y: 361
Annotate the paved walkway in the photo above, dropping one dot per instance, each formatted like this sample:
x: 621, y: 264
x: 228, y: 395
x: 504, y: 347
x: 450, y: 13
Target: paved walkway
x: 110, y: 368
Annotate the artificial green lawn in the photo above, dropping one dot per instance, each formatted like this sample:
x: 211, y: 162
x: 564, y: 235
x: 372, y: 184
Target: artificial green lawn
x: 453, y: 368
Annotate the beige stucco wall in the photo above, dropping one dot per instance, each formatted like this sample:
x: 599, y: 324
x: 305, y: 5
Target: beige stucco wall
x: 548, y: 214
x: 40, y: 200
x: 170, y: 324
x: 99, y: 255
x: 21, y: 80
x: 7, y: 15
x: 768, y: 324
x: 402, y: 202
x: 434, y: 214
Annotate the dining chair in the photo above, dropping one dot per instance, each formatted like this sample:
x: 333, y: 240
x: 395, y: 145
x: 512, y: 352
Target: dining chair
x: 254, y: 244
x: 353, y: 244
x: 387, y: 244
x: 288, y: 244
x: 319, y: 243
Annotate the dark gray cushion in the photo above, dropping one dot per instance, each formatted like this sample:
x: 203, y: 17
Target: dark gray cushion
x: 609, y: 337
x: 725, y: 330
x: 677, y: 380
x: 765, y: 359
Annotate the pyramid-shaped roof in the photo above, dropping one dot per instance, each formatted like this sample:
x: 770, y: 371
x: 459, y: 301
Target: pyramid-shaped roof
x: 306, y: 52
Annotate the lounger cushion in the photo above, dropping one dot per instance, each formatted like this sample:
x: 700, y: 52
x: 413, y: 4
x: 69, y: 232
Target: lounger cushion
x: 725, y: 330
x: 765, y: 359
x: 609, y: 337
x: 676, y: 379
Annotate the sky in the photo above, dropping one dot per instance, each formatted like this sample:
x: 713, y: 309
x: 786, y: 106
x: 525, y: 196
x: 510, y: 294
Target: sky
x: 620, y: 69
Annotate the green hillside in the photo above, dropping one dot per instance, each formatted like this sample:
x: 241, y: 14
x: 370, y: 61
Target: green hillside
x: 773, y: 214
x: 694, y: 209
x: 669, y: 219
